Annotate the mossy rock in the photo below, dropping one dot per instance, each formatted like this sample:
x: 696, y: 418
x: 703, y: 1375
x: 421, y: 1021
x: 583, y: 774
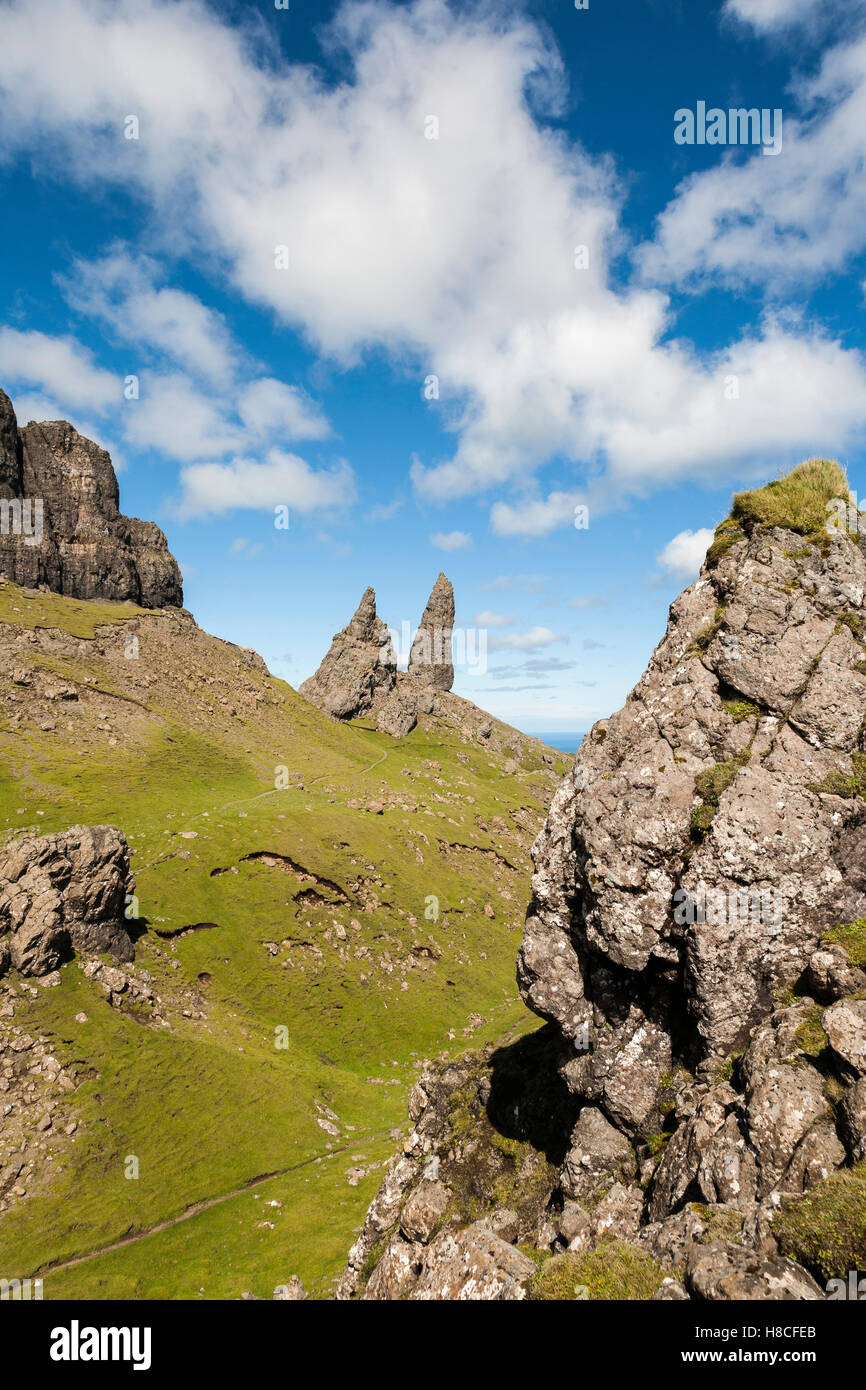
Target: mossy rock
x: 810, y: 1035
x: 704, y: 638
x: 825, y: 1229
x: 851, y: 936
x: 615, y: 1272
x: 726, y: 536
x: 838, y: 784
x: 740, y: 710
x: 709, y: 786
x: 720, y: 1225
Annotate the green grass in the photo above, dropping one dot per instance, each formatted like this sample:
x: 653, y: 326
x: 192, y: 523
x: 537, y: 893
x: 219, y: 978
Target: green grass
x: 797, y: 502
x: 727, y: 534
x: 210, y: 1104
x: 825, y: 1229
x: 615, y: 1272
x: 852, y: 936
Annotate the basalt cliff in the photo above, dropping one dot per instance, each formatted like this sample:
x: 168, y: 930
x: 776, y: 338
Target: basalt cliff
x: 691, y: 1123
x: 60, y: 525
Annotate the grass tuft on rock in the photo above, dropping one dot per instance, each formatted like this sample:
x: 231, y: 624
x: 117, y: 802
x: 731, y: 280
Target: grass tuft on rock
x: 615, y: 1272
x: 838, y: 784
x: 797, y: 502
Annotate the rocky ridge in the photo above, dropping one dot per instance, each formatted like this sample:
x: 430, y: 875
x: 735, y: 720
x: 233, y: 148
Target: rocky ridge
x: 695, y: 940
x: 61, y: 524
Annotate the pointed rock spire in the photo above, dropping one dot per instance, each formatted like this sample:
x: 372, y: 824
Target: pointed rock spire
x: 359, y: 667
x: 430, y: 657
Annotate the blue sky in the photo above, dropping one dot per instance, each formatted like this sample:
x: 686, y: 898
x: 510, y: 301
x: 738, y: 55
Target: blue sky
x: 431, y: 170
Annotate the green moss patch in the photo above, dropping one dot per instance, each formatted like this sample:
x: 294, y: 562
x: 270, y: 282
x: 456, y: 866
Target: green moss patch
x: 838, y: 784
x: 709, y: 786
x: 810, y: 1035
x: 740, y: 710
x: 853, y: 937
x: 615, y: 1272
x: 825, y: 1229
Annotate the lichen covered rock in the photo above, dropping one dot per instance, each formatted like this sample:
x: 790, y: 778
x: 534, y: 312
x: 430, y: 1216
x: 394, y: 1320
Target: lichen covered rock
x: 64, y: 892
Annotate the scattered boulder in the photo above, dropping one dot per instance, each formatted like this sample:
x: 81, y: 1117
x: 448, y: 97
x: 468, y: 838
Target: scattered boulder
x: 62, y: 892
x: 599, y: 1155
x: 725, y: 1271
x: 845, y: 1026
x: 473, y: 1264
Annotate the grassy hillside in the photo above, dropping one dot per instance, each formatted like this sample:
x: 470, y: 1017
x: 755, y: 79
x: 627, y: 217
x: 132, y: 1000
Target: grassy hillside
x: 320, y: 907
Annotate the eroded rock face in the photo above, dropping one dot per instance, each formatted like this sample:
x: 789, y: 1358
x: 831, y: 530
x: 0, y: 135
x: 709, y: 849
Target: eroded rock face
x: 61, y: 525
x: 64, y: 891
x: 693, y: 857
x: 430, y: 657
x: 360, y: 666
x: 708, y: 1026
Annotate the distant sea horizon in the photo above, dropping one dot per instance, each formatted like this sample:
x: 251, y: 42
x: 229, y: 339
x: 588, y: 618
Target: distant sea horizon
x: 565, y: 742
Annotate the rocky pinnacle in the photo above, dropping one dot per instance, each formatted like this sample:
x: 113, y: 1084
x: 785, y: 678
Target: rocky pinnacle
x: 430, y: 657
x: 359, y: 668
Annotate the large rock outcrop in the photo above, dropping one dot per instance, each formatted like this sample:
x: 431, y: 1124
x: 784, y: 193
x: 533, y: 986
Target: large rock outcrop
x: 697, y: 933
x: 64, y: 892
x: 60, y: 524
x: 430, y: 658
x: 359, y: 669
x: 359, y: 675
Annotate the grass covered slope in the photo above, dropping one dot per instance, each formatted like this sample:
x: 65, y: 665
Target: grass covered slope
x: 320, y: 906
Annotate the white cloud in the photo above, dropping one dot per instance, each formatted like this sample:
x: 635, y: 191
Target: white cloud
x: 451, y: 540
x: 121, y: 292
x: 282, y: 480
x: 773, y: 17
x: 270, y: 407
x: 385, y: 511
x: 771, y: 14
x: 778, y: 221
x: 684, y: 555
x: 174, y: 417
x: 526, y: 641
x: 62, y: 368
x: 389, y: 233
x: 489, y: 619
x: 534, y: 518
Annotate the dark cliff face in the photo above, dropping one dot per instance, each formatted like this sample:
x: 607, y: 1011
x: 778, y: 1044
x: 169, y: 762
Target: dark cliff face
x: 62, y: 527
